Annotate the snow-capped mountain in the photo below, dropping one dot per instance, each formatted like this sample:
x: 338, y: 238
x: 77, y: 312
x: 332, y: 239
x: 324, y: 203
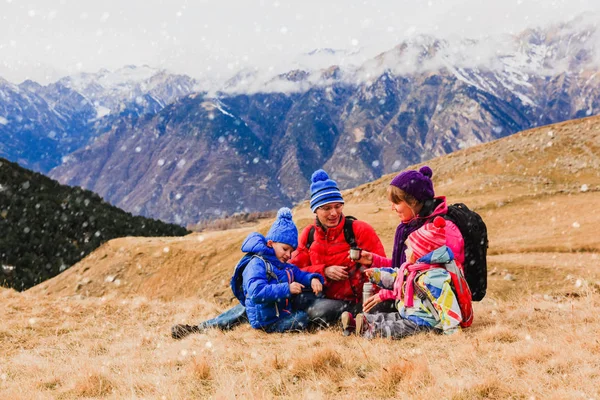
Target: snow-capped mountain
x: 204, y: 156
x: 112, y: 92
x: 36, y: 128
x: 41, y: 124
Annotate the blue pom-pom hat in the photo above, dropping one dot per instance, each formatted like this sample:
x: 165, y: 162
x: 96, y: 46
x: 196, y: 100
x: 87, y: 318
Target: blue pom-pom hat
x: 283, y: 229
x: 323, y: 190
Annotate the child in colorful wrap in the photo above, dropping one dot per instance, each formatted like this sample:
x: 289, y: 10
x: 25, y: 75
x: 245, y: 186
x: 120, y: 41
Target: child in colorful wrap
x: 422, y: 289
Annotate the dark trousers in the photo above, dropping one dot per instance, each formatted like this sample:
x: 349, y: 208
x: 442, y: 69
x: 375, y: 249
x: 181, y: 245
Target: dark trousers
x: 227, y: 320
x: 324, y: 312
x: 321, y: 312
x: 296, y: 321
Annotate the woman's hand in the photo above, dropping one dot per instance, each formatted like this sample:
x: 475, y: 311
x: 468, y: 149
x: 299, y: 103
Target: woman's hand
x: 336, y: 272
x: 316, y: 285
x: 371, y: 302
x: 366, y: 258
x: 296, y: 288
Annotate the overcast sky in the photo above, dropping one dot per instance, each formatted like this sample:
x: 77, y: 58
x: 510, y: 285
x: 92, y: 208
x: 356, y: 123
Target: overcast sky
x: 46, y: 39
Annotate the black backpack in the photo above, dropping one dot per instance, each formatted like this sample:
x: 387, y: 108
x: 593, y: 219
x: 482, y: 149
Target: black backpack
x: 474, y: 233
x: 348, y: 233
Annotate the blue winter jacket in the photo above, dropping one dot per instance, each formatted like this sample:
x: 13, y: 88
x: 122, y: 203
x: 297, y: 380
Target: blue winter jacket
x: 267, y: 298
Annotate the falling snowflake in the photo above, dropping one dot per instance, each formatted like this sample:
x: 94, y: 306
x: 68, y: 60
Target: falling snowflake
x: 576, y: 224
x: 161, y: 162
x: 584, y: 188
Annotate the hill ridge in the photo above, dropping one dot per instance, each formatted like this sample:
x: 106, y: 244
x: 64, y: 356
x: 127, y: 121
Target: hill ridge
x: 511, y: 180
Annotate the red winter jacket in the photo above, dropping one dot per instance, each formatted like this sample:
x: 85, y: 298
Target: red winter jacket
x: 330, y: 248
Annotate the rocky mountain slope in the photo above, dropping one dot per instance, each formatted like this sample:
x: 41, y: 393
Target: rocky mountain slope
x: 538, y: 192
x: 420, y: 100
x: 41, y: 124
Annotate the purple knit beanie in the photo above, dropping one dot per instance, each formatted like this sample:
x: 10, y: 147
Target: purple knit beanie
x: 416, y: 183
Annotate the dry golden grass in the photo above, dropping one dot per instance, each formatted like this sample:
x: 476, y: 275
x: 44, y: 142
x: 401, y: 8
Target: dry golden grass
x: 101, y: 329
x: 543, y: 346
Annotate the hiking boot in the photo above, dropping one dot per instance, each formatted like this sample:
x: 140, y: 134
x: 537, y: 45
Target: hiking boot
x: 362, y: 325
x: 348, y: 323
x: 180, y: 331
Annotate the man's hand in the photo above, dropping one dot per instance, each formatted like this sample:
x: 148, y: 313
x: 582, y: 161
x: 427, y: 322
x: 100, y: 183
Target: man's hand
x: 316, y: 285
x: 336, y: 272
x: 371, y: 302
x: 296, y: 288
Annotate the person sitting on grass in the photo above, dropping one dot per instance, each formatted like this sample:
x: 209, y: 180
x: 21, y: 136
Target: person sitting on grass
x: 269, y: 282
x: 422, y: 288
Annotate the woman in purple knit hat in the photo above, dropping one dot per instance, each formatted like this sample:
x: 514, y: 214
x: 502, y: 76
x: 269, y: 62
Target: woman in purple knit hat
x: 413, y: 200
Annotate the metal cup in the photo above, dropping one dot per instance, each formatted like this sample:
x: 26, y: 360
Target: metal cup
x: 355, y: 253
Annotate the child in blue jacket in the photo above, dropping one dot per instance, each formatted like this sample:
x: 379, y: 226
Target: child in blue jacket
x: 268, y: 289
x: 268, y: 282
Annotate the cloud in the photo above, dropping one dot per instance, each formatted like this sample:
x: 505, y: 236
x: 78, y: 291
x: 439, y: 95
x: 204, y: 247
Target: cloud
x: 212, y: 41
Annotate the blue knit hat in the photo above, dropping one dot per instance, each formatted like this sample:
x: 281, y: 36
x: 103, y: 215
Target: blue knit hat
x: 283, y: 229
x: 323, y: 190
x: 416, y: 183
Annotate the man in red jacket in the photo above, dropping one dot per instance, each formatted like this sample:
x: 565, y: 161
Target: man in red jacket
x: 328, y: 254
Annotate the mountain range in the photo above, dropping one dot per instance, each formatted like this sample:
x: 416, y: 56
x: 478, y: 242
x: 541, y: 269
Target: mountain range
x: 171, y: 151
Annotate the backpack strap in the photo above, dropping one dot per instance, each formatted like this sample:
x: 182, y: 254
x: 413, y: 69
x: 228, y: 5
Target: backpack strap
x: 349, y: 232
x: 269, y: 268
x: 311, y: 237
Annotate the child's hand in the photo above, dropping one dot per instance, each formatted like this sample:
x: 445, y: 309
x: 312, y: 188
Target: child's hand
x: 371, y: 302
x: 316, y: 285
x: 369, y: 272
x: 296, y: 288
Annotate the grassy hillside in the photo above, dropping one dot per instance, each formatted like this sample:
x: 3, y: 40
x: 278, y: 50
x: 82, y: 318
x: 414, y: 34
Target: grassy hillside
x: 46, y: 227
x: 101, y: 328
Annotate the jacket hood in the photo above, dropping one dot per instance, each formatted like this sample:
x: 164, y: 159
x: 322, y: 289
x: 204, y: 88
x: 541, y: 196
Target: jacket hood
x: 441, y: 255
x: 256, y: 243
